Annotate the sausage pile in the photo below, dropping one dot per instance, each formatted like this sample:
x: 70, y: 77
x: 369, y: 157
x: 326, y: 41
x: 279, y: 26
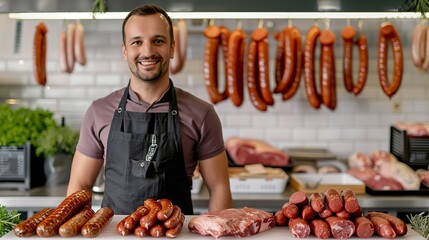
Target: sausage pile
x: 335, y: 214
x: 73, y: 216
x: 156, y: 218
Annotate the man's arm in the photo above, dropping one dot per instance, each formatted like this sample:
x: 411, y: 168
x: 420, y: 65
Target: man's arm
x: 215, y: 175
x: 84, y: 172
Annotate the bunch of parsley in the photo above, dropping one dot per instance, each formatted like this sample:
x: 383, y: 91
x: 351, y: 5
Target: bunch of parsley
x: 8, y: 221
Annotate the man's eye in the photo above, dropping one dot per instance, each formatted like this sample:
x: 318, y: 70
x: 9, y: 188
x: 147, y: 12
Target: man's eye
x: 135, y: 43
x: 158, y: 41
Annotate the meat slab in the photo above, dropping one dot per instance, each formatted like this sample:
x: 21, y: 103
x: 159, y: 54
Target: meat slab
x: 235, y: 222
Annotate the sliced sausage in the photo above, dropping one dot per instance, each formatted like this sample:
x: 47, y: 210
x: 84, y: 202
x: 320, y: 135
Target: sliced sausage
x: 340, y: 227
x: 317, y: 202
x: 299, y: 228
x: 333, y: 200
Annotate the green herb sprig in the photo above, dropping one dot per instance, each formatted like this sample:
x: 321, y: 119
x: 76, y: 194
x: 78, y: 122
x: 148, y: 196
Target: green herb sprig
x: 421, y: 6
x: 420, y: 223
x: 8, y: 221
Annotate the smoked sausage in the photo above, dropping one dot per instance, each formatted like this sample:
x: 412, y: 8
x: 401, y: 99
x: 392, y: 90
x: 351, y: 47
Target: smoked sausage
x: 180, y: 47
x: 327, y: 69
x: 280, y: 56
x: 293, y: 88
x: 398, y: 225
x: 290, y: 210
x: 299, y: 198
x: 40, y: 41
x: 157, y: 231
x: 149, y: 220
x: 79, y: 44
x: 340, y: 227
x: 382, y: 227
x: 317, y: 202
x: 263, y: 70
x: 333, y: 200
x: 166, y: 209
x: 364, y: 227
x: 252, y: 79
x: 388, y: 34
x: 299, y: 228
x: 309, y: 54
x: 121, y: 229
x: 351, y: 204
x: 67, y: 208
x: 97, y: 223
x: 62, y: 52
x: 320, y: 228
x: 280, y: 218
x: 174, y: 219
x: 363, y: 64
x: 28, y: 227
x: 173, y: 232
x: 289, y: 60
x: 234, y: 67
x: 71, y: 33
x: 74, y: 225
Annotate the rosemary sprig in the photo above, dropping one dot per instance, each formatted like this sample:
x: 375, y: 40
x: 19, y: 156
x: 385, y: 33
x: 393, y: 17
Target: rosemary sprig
x: 8, y: 220
x: 420, y: 223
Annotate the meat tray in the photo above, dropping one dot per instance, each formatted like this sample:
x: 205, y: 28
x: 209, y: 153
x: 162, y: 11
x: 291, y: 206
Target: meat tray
x: 274, y: 181
x: 423, y: 191
x: 314, y: 182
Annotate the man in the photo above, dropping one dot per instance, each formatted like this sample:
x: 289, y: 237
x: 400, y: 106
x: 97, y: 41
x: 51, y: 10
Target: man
x: 150, y: 134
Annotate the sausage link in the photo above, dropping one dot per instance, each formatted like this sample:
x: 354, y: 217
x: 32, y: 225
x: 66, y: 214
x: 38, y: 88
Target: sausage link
x: 425, y: 64
x: 307, y: 212
x: 141, y: 231
x: 40, y: 39
x: 280, y: 218
x: 340, y: 227
x: 174, y: 219
x: 130, y: 223
x: 28, y: 227
x: 234, y: 67
x: 280, y: 56
x: 382, y: 227
x: 71, y: 32
x: 417, y: 45
x: 67, y: 208
x: 399, y: 226
x: 121, y: 229
x: 252, y: 73
x: 290, y: 210
x: 343, y: 214
x: 299, y: 198
x: 79, y: 44
x: 309, y: 52
x: 293, y: 88
x: 364, y: 227
x: 325, y: 213
x: 317, y: 202
x: 299, y: 228
x: 351, y: 203
x: 74, y: 225
x: 363, y: 64
x: 62, y: 52
x: 263, y: 70
x: 327, y: 69
x: 172, y: 233
x: 389, y: 33
x: 348, y: 33
x: 166, y: 209
x: 139, y: 213
x: 149, y: 220
x: 97, y: 223
x: 157, y: 231
x: 289, y: 61
x: 176, y: 62
x: 333, y: 200
x: 320, y: 228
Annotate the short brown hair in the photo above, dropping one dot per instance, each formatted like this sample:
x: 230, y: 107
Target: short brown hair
x: 145, y: 10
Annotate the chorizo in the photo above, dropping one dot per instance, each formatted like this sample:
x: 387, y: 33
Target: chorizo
x: 280, y: 218
x: 79, y: 44
x: 398, y: 225
x: 382, y: 227
x: 97, y: 223
x: 71, y: 33
x: 340, y: 227
x: 149, y: 220
x: 234, y: 67
x: 166, y: 209
x: 299, y: 228
x: 327, y: 69
x: 320, y: 228
x: 39, y: 45
x: 351, y: 203
x: 317, y: 202
x: 309, y: 54
x: 74, y: 225
x: 290, y: 210
x: 174, y: 219
x: 289, y: 61
x: 28, y: 227
x: 216, y: 37
x: 333, y: 200
x: 67, y: 208
x: 388, y: 34
x: 252, y: 83
x: 121, y: 229
x: 173, y: 232
x: 364, y: 227
x: 293, y: 88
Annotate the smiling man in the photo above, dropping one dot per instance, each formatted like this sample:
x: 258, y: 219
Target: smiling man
x: 150, y: 135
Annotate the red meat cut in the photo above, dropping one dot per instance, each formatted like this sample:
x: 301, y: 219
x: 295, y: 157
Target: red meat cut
x: 235, y: 222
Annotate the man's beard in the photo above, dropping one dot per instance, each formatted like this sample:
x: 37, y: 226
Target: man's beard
x: 145, y: 77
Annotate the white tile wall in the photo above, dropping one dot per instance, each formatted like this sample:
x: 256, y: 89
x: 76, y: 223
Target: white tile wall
x: 360, y: 123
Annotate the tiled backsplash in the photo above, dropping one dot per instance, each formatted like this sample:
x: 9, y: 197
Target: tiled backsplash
x: 358, y: 124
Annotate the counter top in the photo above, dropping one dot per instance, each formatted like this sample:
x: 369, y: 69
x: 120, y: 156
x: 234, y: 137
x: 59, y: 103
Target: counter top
x: 110, y: 233
x: 38, y: 198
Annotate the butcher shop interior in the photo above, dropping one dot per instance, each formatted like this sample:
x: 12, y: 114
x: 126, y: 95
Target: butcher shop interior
x: 323, y: 111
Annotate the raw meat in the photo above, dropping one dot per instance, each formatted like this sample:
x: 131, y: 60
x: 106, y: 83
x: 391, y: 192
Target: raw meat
x: 240, y: 222
x: 251, y: 151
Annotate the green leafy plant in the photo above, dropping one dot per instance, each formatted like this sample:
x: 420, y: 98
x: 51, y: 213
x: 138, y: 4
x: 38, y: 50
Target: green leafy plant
x: 57, y: 140
x: 421, y: 6
x: 8, y: 221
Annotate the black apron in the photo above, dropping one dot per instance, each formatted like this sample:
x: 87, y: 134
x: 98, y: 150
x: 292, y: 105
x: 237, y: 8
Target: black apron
x: 145, y: 159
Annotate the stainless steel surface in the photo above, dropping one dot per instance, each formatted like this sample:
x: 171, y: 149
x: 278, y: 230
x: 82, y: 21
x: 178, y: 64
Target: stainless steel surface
x: 204, y: 5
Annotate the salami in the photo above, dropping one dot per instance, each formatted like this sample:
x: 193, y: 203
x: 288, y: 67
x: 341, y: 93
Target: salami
x: 340, y: 227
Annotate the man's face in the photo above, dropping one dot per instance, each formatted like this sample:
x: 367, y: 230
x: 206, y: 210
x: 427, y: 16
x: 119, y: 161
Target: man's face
x: 147, y: 46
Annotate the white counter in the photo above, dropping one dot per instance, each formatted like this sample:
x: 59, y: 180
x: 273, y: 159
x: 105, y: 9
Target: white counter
x: 275, y: 233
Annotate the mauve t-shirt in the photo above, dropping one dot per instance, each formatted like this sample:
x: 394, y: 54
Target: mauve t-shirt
x: 200, y: 126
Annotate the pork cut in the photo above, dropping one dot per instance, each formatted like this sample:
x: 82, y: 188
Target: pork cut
x: 237, y: 222
x: 252, y: 151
